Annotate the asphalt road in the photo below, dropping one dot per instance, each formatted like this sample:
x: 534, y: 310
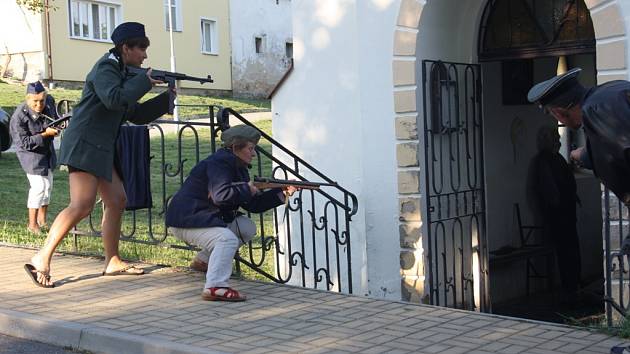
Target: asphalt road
x: 11, y: 345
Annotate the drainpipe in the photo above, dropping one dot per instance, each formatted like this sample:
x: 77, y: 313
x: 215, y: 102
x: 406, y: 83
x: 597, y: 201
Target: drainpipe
x: 170, y: 33
x: 48, y: 42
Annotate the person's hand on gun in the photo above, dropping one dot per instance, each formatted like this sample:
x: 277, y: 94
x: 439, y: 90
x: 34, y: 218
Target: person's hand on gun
x: 252, y: 188
x: 153, y: 81
x: 50, y: 132
x: 289, y: 190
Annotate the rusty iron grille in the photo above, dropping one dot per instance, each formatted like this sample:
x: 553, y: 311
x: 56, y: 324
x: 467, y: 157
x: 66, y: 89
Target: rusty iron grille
x: 454, y: 199
x: 307, y: 242
x: 519, y: 29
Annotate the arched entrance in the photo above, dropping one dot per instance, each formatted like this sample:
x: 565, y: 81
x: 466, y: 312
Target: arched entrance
x: 421, y: 35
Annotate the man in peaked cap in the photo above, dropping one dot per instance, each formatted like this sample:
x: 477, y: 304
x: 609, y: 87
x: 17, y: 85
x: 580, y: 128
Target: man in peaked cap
x: 35, y: 150
x: 604, y: 114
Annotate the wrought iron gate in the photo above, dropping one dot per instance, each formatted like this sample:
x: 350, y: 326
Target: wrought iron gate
x: 454, y: 185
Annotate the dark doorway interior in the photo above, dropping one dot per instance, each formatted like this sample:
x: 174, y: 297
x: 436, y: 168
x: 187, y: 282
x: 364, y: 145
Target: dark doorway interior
x: 522, y: 42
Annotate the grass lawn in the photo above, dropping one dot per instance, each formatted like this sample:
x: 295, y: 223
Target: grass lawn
x: 12, y: 95
x: 147, y: 227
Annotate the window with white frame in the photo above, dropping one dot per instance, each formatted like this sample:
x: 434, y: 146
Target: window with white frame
x: 175, y: 6
x: 209, y: 37
x: 93, y: 20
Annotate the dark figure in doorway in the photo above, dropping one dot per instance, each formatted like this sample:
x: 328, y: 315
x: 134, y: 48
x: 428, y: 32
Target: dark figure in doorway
x: 603, y: 112
x: 555, y: 190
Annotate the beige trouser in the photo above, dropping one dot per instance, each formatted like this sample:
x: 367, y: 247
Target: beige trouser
x: 39, y: 193
x: 218, y: 246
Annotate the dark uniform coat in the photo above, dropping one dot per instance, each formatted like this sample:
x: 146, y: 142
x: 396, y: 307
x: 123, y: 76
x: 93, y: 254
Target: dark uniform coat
x: 35, y: 152
x: 556, y: 193
x: 214, y: 191
x: 606, y: 121
x: 109, y: 98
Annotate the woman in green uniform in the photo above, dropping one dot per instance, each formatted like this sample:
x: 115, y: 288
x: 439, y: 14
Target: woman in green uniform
x: 109, y: 98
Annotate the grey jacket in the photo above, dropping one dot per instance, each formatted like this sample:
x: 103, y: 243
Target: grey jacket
x: 35, y: 153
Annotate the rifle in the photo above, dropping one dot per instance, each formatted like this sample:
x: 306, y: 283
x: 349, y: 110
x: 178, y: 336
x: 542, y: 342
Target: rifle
x: 266, y: 183
x: 169, y: 78
x: 59, y: 123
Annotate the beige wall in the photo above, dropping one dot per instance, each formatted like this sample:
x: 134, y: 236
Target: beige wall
x: 73, y: 58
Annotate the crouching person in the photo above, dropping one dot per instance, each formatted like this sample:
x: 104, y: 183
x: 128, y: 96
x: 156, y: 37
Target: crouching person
x: 204, y: 212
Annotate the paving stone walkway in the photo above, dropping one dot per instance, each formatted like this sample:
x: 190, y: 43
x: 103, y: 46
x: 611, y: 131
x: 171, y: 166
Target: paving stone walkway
x: 165, y: 307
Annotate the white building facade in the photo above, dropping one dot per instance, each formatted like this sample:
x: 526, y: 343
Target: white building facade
x: 262, y: 45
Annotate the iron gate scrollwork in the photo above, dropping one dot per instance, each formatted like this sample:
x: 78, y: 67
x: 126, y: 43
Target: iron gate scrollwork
x: 454, y: 197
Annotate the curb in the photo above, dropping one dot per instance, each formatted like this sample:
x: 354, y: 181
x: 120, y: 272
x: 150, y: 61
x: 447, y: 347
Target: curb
x: 86, y: 337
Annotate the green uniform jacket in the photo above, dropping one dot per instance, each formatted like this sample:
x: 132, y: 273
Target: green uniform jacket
x: 109, y: 98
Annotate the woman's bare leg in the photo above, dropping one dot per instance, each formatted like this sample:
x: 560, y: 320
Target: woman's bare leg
x: 82, y: 197
x: 114, y: 200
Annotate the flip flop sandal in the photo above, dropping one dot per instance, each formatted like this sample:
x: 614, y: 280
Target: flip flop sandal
x: 229, y: 295
x: 32, y: 273
x: 124, y: 271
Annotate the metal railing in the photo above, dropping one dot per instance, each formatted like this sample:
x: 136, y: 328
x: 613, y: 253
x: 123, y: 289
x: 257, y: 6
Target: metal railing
x: 306, y: 242
x: 616, y: 263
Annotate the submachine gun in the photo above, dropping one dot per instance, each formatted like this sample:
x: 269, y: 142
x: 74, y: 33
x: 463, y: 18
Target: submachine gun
x: 169, y: 78
x: 61, y: 122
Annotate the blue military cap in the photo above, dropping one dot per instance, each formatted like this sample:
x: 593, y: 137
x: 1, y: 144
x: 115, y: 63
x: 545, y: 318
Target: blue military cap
x: 35, y: 88
x: 127, y: 30
x: 555, y: 88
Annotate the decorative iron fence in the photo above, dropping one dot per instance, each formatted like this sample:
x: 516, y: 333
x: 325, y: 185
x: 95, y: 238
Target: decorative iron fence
x: 305, y: 243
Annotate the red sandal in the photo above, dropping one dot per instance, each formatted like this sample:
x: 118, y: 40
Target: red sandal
x: 229, y: 295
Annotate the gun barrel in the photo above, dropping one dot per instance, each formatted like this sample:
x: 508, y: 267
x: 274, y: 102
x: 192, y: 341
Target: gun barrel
x: 292, y: 183
x: 163, y: 75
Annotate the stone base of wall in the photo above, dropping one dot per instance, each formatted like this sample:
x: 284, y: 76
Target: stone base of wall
x: 25, y: 67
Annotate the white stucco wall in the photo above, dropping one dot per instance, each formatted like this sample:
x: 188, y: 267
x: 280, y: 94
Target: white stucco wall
x: 624, y: 7
x: 336, y: 110
x: 255, y: 74
x: 21, y: 29
x: 21, y: 42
